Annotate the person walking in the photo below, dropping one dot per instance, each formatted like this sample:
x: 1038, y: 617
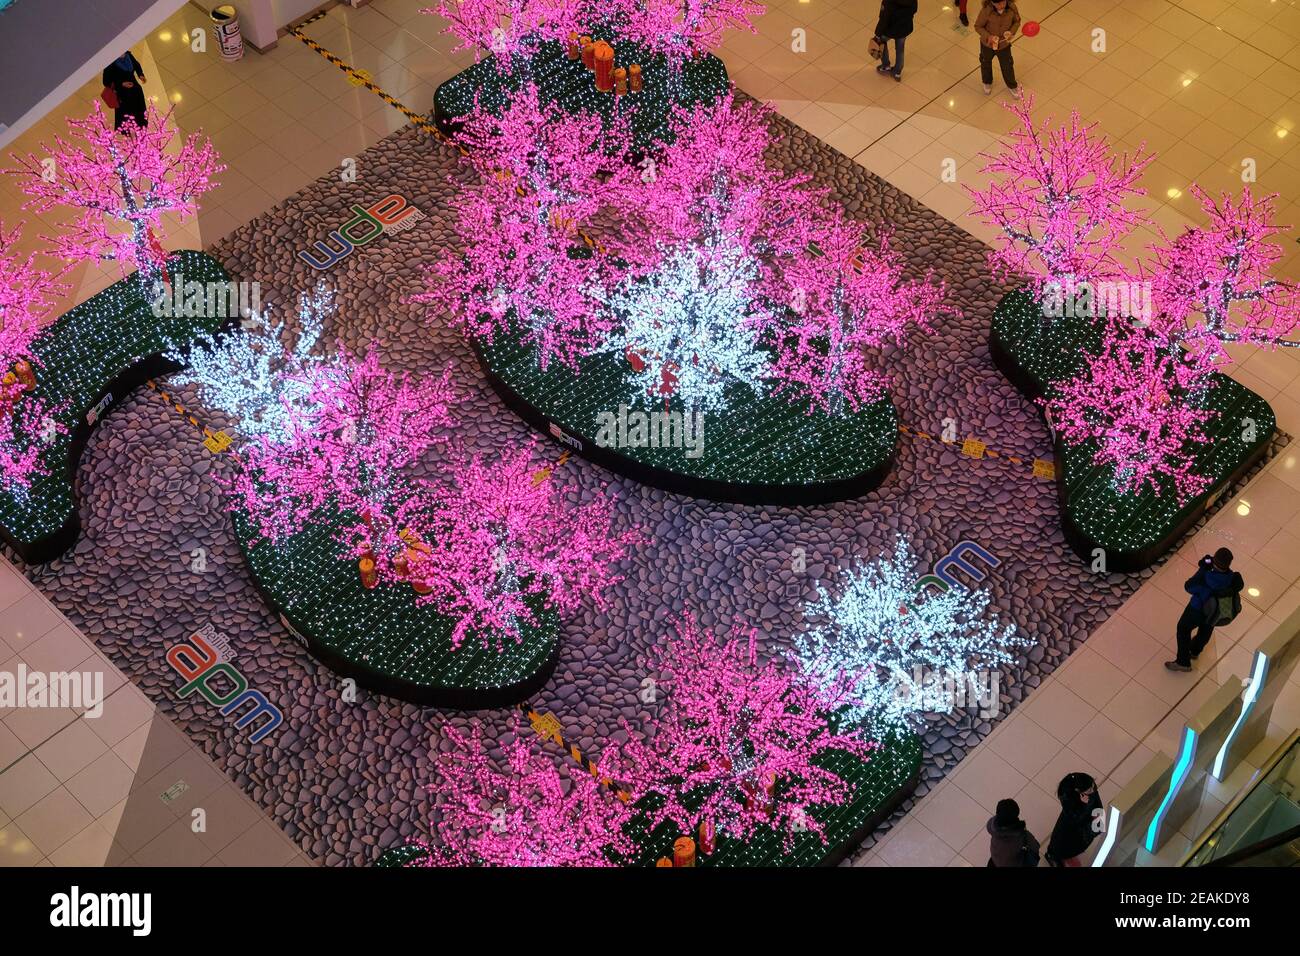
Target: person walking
x: 1215, y: 591
x: 895, y: 24
x: 120, y: 76
x: 1078, y: 824
x: 997, y: 24
x: 1010, y: 842
x: 961, y: 13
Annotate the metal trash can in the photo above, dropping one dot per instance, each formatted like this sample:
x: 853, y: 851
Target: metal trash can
x: 225, y: 27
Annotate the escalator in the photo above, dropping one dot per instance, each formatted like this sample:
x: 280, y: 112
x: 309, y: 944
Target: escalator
x: 1261, y: 827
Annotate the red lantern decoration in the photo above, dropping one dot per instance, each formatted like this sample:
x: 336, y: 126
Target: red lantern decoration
x: 604, y: 60
x: 369, y: 574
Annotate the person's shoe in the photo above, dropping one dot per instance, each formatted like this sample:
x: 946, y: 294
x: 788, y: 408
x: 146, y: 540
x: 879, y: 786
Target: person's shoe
x: 988, y: 88
x: 884, y: 69
x: 1016, y: 92
x: 898, y: 77
x: 1175, y: 666
x: 965, y: 20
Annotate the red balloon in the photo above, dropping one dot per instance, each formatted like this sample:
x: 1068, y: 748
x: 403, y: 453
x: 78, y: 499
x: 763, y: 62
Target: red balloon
x: 1031, y: 28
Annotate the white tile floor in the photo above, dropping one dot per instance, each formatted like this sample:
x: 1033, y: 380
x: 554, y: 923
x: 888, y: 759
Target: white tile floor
x: 1206, y: 83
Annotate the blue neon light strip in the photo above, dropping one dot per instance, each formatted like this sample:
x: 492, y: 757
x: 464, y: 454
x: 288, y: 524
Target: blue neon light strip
x: 1181, y: 770
x: 1112, y: 834
x: 1257, y: 678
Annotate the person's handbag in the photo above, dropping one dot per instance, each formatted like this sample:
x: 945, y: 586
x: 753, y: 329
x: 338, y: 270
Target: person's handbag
x: 876, y: 47
x: 109, y: 96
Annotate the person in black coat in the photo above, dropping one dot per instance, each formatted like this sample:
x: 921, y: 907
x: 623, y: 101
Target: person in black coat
x: 1078, y: 824
x: 895, y: 24
x: 121, y: 76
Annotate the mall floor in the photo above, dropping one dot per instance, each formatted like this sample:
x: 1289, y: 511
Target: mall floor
x: 1207, y: 84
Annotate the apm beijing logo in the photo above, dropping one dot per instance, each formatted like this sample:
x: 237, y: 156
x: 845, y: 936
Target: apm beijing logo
x: 390, y: 215
x: 203, y: 662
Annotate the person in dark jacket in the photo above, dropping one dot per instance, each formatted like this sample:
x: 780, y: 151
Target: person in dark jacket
x: 1010, y: 842
x: 895, y: 24
x: 1079, y: 822
x: 1214, y: 579
x: 121, y: 76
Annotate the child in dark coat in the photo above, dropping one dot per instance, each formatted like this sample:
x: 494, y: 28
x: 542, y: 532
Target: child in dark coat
x: 1010, y: 842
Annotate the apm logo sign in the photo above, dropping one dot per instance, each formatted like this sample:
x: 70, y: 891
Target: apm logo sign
x: 199, y: 663
x: 943, y: 577
x: 391, y: 214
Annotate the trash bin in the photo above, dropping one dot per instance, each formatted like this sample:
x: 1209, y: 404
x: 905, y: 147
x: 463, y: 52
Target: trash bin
x: 225, y: 26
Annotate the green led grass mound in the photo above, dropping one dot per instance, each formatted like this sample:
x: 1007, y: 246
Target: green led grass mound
x: 881, y: 784
x: 1133, y: 530
x: 380, y: 637
x: 401, y: 856
x: 87, y: 361
x: 573, y: 87
x: 758, y: 450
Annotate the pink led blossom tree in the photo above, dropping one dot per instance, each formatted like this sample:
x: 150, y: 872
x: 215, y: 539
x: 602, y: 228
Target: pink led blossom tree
x: 712, y: 183
x: 1059, y: 204
x: 508, y: 29
x: 735, y: 741
x: 497, y: 542
x: 349, y: 446
x: 527, y: 814
x: 542, y: 175
x: 846, y: 301
x: 1213, y: 285
x: 27, y: 423
x: 26, y: 295
x: 1143, y: 401
x: 1141, y: 407
x: 120, y: 185
x: 678, y: 29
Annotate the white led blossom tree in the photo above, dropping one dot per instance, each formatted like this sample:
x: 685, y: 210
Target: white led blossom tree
x: 876, y: 642
x: 254, y: 375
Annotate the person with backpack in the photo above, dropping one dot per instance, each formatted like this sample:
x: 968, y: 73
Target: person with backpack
x: 1215, y: 591
x: 1079, y: 822
x: 895, y: 24
x: 1010, y: 842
